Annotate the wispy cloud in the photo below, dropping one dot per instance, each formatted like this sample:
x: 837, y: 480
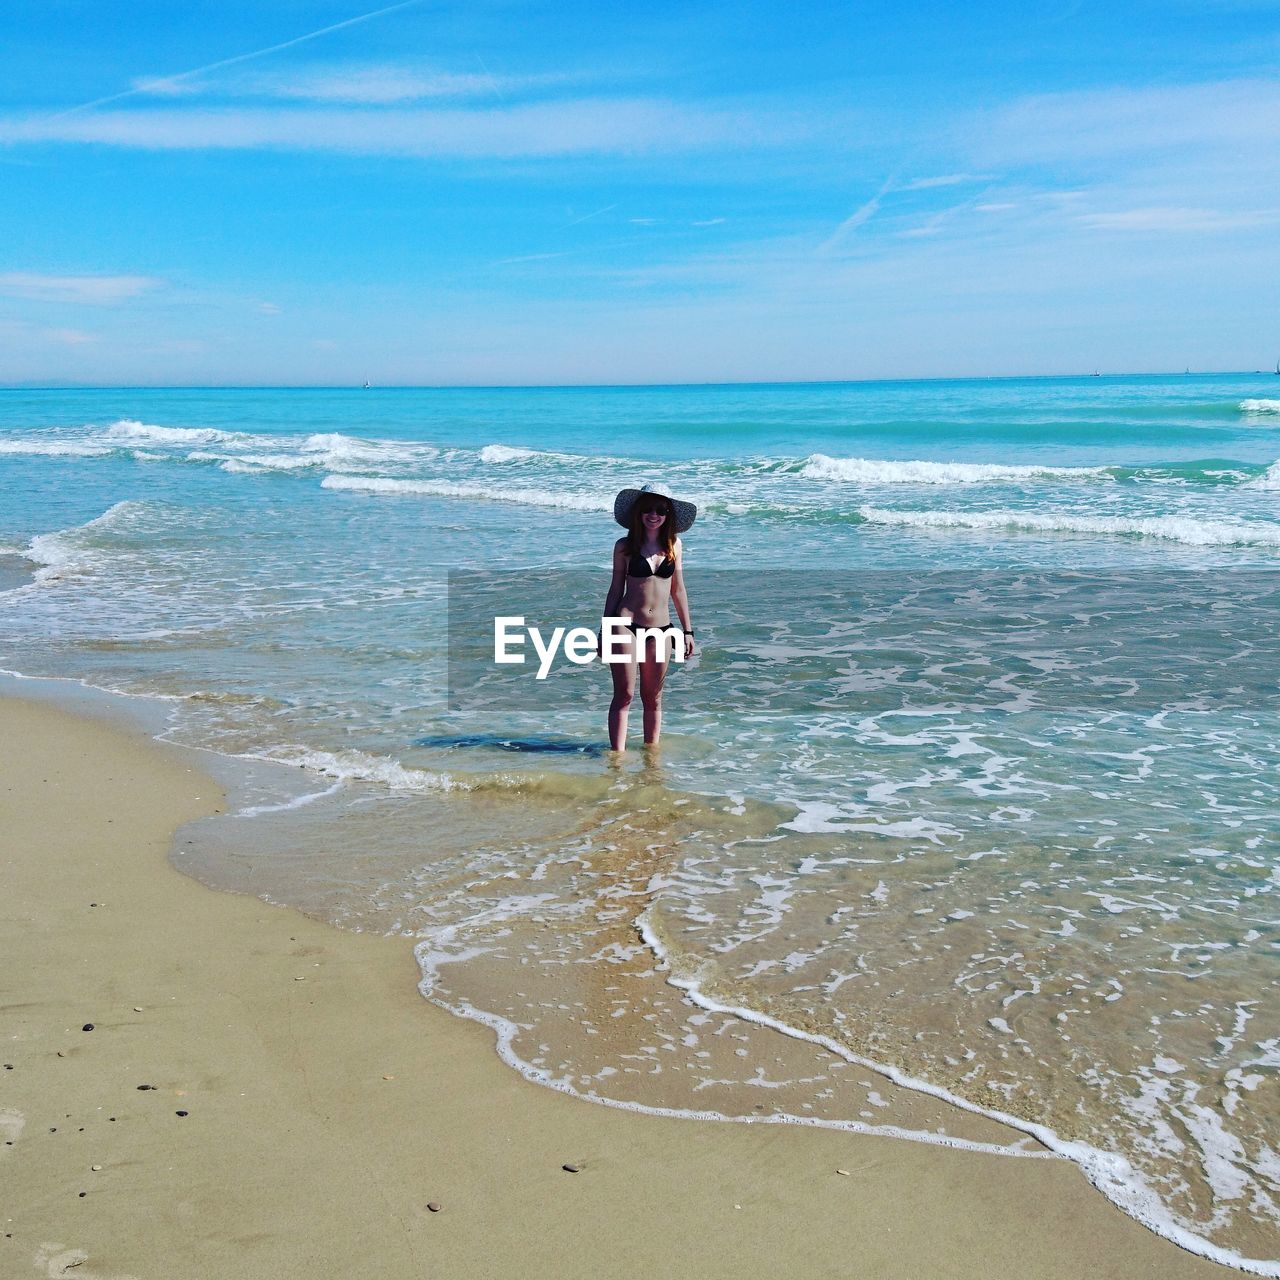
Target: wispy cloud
x: 252, y: 54
x: 1166, y: 219
x: 932, y: 227
x: 94, y: 290
x: 376, y: 84
x: 707, y: 222
x: 1051, y: 128
x: 944, y: 180
x: 532, y: 257
x: 570, y: 127
x: 859, y: 217
x: 586, y: 217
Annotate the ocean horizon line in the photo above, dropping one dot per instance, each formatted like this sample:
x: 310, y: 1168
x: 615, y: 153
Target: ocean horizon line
x: 620, y: 386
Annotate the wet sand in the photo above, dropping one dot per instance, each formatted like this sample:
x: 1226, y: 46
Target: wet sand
x: 327, y: 1105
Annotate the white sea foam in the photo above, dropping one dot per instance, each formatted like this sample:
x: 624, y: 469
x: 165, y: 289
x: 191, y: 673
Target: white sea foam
x: 506, y: 453
x: 128, y: 430
x: 819, y: 466
x: 360, y: 766
x: 441, y: 946
x: 294, y: 802
x: 1110, y: 1172
x: 1260, y: 406
x: 338, y: 450
x: 64, y: 553
x: 453, y: 489
x: 501, y: 454
x: 53, y: 448
x: 1270, y: 479
x: 1184, y: 529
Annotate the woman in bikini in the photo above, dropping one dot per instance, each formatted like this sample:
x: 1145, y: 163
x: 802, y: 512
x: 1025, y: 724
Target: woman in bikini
x: 648, y: 574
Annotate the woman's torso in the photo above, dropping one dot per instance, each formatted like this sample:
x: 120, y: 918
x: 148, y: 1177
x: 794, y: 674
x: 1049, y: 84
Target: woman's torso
x: 646, y: 596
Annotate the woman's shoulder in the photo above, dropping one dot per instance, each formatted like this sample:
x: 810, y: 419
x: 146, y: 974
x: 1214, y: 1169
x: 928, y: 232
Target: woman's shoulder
x: 620, y: 545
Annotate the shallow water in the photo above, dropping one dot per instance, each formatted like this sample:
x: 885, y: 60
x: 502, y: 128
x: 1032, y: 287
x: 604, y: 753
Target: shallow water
x: 975, y: 778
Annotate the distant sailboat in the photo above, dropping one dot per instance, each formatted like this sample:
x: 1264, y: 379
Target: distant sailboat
x: 1278, y: 368
x: 366, y: 384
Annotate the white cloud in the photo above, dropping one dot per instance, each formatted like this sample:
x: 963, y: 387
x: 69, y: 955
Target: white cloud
x: 95, y: 290
x: 375, y: 84
x: 268, y: 309
x: 859, y: 217
x: 1173, y: 219
x: 707, y: 222
x: 570, y: 127
x: 1048, y: 128
x: 533, y: 257
x: 944, y: 180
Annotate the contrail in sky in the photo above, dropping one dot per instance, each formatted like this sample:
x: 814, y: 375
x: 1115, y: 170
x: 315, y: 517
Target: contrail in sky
x: 607, y: 209
x: 863, y: 213
x: 239, y: 57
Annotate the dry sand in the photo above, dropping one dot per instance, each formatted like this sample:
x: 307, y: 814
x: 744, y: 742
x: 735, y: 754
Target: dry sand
x: 326, y: 1103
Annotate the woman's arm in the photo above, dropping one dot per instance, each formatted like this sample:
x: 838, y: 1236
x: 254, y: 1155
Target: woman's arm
x: 681, y: 598
x: 613, y: 601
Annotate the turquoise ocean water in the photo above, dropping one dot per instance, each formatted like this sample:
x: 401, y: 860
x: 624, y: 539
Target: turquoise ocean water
x: 976, y: 777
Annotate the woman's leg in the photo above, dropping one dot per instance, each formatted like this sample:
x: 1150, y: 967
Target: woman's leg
x: 624, y: 689
x: 653, y: 672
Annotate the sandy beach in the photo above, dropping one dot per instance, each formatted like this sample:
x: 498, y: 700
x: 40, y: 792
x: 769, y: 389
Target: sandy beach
x: 304, y: 1107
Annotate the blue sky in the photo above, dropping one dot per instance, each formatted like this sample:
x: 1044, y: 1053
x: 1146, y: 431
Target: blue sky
x: 495, y: 192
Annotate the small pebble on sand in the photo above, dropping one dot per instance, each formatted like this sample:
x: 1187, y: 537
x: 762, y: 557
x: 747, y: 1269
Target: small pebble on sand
x: 434, y: 1206
x: 571, y: 1168
x: 95, y: 1168
x: 88, y: 1026
x: 844, y: 1173
x: 181, y: 1113
x: 137, y: 1008
x: 142, y: 1088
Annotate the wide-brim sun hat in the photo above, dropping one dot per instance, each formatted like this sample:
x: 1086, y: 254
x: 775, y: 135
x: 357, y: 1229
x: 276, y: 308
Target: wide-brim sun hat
x: 685, y: 512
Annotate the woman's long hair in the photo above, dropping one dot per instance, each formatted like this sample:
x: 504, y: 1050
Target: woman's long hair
x: 636, y: 532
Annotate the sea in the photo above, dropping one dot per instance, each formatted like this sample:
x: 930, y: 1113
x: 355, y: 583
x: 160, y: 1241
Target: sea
x: 964, y: 826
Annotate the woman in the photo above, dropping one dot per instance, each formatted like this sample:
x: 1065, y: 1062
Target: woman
x: 648, y: 573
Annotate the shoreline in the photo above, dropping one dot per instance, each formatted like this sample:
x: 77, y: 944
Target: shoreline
x: 327, y: 1103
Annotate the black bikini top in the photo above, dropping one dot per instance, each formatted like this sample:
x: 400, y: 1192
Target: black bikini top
x: 639, y: 567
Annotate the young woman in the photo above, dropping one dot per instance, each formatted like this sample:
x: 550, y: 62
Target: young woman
x: 648, y: 574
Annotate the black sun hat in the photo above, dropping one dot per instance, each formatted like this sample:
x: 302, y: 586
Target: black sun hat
x: 685, y: 512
